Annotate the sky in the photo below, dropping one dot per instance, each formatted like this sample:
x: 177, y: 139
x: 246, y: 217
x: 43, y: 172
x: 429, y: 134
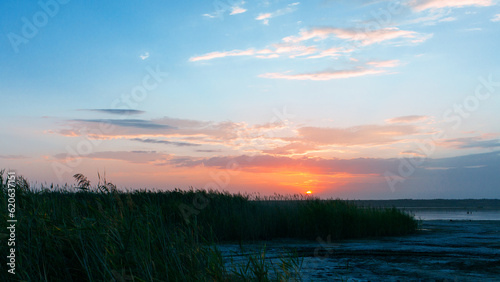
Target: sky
x: 360, y: 99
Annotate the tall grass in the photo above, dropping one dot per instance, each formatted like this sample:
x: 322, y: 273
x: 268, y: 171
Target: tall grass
x: 99, y: 233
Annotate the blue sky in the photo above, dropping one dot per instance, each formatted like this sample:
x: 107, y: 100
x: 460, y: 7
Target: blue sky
x: 300, y: 85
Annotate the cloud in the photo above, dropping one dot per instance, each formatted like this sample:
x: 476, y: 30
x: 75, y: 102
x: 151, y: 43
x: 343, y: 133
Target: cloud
x: 277, y: 138
x: 234, y: 9
x: 140, y: 157
x: 317, y: 165
x: 473, y: 29
x: 473, y: 142
x: 407, y: 119
x: 12, y: 157
x: 210, y: 16
x: 237, y: 10
x: 274, y: 51
x: 214, y: 55
x: 496, y: 18
x: 384, y: 64
x: 435, y: 178
x: 448, y: 19
x: 116, y: 111
x: 322, y: 75
x: 264, y: 17
x: 184, y: 130
x: 484, y: 159
x: 135, y: 123
x: 292, y: 46
x: 371, y: 68
x: 359, y: 135
x: 294, y: 148
x: 421, y: 5
x: 332, y: 52
x: 144, y: 56
x: 267, y: 163
x: 413, y: 153
x: 365, y: 37
x: 156, y: 141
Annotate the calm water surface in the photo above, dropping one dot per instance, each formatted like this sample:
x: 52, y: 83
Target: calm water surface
x: 456, y: 214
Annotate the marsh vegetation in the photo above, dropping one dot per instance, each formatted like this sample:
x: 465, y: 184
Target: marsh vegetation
x: 99, y: 233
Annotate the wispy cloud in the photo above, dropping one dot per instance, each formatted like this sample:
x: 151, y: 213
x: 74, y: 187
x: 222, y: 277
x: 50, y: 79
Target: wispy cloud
x: 144, y: 56
x: 413, y: 153
x: 139, y: 157
x: 135, y: 123
x: 210, y: 16
x: 371, y: 68
x: 407, y: 119
x: 294, y: 46
x: 208, y: 151
x: 384, y: 64
x: 359, y: 135
x: 12, y: 157
x: 421, y: 5
x: 234, y: 8
x: 266, y: 163
x: 237, y: 10
x: 472, y: 142
x: 365, y: 38
x: 215, y: 55
x: 448, y: 19
x: 323, y: 75
x: 496, y: 18
x: 264, y: 17
x: 332, y: 52
x: 429, y: 17
x: 166, y: 142
x: 183, y: 130
x: 116, y: 111
x: 473, y: 29
x: 275, y: 51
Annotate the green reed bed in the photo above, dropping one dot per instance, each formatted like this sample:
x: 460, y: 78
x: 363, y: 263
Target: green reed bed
x: 99, y: 233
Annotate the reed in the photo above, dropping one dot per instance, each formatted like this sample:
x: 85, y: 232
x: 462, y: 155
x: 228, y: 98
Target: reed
x: 101, y: 233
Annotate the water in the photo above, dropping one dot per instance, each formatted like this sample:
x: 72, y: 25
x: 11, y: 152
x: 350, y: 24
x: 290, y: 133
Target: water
x: 454, y: 214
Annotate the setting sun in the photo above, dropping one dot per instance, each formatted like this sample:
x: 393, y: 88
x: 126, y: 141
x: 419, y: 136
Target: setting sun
x: 309, y: 192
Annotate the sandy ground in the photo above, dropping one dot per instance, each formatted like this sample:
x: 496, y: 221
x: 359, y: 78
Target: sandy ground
x: 441, y: 251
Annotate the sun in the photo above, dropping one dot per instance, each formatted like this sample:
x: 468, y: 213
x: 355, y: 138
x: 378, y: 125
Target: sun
x: 309, y: 192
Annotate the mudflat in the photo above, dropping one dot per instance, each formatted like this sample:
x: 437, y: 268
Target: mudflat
x: 442, y: 250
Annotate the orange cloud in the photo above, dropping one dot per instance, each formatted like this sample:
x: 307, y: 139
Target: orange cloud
x: 360, y: 135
